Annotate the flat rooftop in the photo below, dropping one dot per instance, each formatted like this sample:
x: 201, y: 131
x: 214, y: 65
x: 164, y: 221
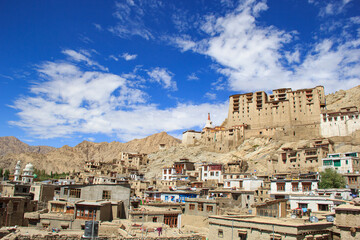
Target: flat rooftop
x: 269, y: 220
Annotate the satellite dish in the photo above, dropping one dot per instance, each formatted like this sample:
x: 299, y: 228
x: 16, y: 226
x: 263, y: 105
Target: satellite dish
x: 313, y: 219
x: 330, y: 218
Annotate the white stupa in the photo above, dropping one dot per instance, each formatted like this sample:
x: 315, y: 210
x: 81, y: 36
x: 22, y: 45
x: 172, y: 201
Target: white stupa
x: 28, y: 175
x: 17, y: 172
x: 209, y: 122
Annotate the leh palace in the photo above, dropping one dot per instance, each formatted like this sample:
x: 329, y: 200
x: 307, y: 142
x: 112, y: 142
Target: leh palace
x: 285, y: 114
x: 281, y: 166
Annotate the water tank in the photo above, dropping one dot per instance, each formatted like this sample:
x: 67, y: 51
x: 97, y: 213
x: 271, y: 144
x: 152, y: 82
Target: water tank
x: 330, y: 218
x: 90, y: 230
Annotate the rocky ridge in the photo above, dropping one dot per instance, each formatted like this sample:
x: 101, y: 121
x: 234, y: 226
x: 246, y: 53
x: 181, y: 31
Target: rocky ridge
x: 68, y: 158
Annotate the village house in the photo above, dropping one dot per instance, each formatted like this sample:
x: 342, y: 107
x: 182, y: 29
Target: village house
x: 169, y: 217
x: 211, y: 171
x: 67, y: 215
x: 12, y: 189
x: 301, y: 160
x: 347, y: 221
x: 42, y: 192
x: 106, y: 192
x: 353, y: 182
x: 13, y: 209
x: 171, y: 196
x: 262, y: 193
x: 260, y: 227
x: 342, y: 162
x: 281, y: 188
x: 248, y: 184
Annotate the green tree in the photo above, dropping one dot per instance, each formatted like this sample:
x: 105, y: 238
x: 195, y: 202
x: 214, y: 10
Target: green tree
x: 331, y: 179
x: 1, y: 172
x: 6, y: 174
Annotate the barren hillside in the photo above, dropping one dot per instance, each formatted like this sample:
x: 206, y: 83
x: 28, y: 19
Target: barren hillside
x: 343, y: 98
x: 13, y: 145
x: 67, y: 158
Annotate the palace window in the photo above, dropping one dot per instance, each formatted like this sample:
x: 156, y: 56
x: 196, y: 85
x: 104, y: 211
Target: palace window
x: 106, y: 195
x: 200, y: 207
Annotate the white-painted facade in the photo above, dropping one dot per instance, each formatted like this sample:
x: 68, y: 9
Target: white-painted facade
x: 314, y: 203
x: 211, y: 172
x: 247, y: 184
x: 167, y: 173
x: 342, y: 162
x: 336, y: 193
x: 284, y: 187
x: 342, y: 123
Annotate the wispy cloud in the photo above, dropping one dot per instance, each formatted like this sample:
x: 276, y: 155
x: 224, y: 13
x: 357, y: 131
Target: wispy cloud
x: 6, y: 76
x: 330, y: 7
x: 192, y: 77
x: 98, y: 26
x: 114, y: 58
x: 68, y: 101
x: 211, y: 96
x: 163, y: 77
x: 129, y: 57
x: 83, y: 56
x: 129, y: 15
x: 256, y: 57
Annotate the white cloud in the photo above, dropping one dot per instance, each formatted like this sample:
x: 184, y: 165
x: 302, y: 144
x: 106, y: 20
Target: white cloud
x: 211, y: 96
x: 69, y: 101
x: 163, y: 77
x: 129, y: 57
x: 98, y: 26
x: 130, y: 20
x: 330, y: 7
x: 83, y: 56
x: 192, y: 77
x: 256, y: 57
x: 114, y: 58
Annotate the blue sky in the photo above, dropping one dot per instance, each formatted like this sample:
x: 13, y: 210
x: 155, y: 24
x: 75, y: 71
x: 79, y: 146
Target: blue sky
x: 118, y: 70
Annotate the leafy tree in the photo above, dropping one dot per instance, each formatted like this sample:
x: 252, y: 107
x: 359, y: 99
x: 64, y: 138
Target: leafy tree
x: 331, y: 179
x: 6, y: 174
x: 42, y: 175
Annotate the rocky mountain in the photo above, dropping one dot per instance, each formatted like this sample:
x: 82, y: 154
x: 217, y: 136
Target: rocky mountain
x: 67, y: 158
x: 343, y: 98
x: 13, y: 145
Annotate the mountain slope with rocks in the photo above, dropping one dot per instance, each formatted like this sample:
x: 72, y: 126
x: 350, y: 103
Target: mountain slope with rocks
x: 343, y: 98
x: 68, y: 158
x: 11, y: 144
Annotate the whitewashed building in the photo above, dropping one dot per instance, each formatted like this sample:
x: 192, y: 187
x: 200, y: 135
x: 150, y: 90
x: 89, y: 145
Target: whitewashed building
x: 342, y: 162
x: 167, y: 173
x: 211, y: 171
x: 282, y: 187
x: 340, y: 123
x: 247, y: 184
